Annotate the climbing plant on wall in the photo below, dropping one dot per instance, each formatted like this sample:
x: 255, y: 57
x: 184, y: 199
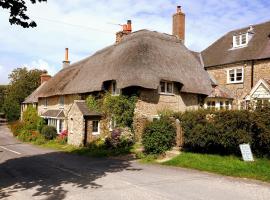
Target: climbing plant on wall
x: 120, y: 107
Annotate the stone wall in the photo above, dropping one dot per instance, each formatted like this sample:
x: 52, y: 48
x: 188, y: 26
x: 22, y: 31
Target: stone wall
x: 76, y: 126
x: 261, y: 70
x: 150, y: 103
x: 53, y: 104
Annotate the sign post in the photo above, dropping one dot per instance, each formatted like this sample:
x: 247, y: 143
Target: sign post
x: 246, y: 152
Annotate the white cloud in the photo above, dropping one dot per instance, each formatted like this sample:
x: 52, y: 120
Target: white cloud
x: 42, y: 65
x: 206, y: 20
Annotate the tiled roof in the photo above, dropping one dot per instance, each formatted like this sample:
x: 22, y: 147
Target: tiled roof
x: 84, y: 109
x: 220, y: 92
x: 53, y: 114
x: 221, y: 52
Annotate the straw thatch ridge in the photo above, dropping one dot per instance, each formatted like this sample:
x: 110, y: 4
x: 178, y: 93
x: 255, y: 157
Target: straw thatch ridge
x: 142, y: 58
x: 221, y: 52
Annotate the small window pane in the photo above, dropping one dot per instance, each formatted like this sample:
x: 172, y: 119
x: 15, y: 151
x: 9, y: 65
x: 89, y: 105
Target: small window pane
x: 169, y: 88
x: 244, y: 39
x: 237, y: 40
x: 162, y: 86
x: 95, y: 127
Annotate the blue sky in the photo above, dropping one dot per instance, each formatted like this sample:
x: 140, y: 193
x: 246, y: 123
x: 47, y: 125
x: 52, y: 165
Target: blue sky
x: 92, y: 27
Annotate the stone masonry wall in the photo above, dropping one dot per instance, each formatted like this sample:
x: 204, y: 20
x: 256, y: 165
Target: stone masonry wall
x: 76, y: 126
x: 151, y: 102
x: 53, y: 104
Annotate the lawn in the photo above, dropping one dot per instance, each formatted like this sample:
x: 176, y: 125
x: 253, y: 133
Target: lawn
x: 91, y: 150
x: 225, y: 165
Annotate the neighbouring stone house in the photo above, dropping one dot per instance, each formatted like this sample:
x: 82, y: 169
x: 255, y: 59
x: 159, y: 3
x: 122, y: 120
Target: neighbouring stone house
x: 239, y: 60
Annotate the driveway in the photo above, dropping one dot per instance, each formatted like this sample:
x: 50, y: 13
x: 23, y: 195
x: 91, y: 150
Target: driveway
x: 30, y: 172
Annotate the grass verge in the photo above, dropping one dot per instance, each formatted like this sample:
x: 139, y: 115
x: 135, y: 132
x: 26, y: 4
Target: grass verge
x: 224, y: 165
x: 91, y: 150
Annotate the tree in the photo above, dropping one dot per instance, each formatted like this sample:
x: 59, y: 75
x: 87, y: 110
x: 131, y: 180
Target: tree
x: 17, y: 12
x: 2, y: 96
x: 22, y: 84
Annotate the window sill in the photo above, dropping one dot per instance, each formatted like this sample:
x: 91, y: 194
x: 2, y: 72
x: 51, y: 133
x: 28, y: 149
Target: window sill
x: 95, y: 133
x: 238, y: 82
x: 167, y: 94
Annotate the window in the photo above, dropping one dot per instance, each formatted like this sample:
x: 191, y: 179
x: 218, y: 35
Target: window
x: 61, y: 101
x: 45, y: 102
x: 211, y: 105
x: 240, y: 40
x: 95, y: 129
x: 60, y: 125
x: 227, y: 105
x: 115, y: 90
x: 235, y: 75
x: 222, y: 105
x: 166, y: 87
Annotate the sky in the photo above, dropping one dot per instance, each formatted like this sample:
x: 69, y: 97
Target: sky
x: 86, y: 26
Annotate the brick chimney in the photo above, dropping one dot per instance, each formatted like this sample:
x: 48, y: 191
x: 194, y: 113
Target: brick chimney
x: 178, y: 28
x: 66, y: 62
x: 44, y: 77
x: 126, y: 29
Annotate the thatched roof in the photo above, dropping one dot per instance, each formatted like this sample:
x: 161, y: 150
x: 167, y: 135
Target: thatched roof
x: 33, y: 97
x: 142, y: 58
x: 258, y: 47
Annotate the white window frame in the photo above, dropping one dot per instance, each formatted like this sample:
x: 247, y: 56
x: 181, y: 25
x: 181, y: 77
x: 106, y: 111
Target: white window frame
x: 98, y: 132
x: 235, y: 75
x: 241, y: 39
x: 166, y: 88
x: 61, y: 101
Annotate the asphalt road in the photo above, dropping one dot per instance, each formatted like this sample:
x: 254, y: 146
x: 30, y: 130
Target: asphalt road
x: 30, y: 172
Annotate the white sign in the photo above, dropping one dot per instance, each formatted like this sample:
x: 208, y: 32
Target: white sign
x: 246, y: 152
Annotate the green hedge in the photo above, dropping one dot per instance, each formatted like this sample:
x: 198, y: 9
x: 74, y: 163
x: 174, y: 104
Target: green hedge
x: 221, y: 132
x: 159, y: 136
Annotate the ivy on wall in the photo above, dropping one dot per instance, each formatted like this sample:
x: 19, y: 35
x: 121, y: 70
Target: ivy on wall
x: 120, y: 107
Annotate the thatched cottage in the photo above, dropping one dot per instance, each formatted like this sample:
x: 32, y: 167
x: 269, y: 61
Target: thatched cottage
x: 161, y: 71
x: 156, y: 66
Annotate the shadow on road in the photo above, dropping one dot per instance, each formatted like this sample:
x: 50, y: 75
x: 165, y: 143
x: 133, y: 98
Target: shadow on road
x: 47, y: 174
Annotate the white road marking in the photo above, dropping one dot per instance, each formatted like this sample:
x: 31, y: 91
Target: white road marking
x: 10, y: 150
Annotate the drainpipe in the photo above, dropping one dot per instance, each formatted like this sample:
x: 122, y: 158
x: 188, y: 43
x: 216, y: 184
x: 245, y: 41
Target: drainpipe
x: 252, y: 73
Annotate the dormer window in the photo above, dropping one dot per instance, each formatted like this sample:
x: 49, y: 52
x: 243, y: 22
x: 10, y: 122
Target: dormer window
x: 166, y: 87
x: 115, y: 91
x: 240, y: 40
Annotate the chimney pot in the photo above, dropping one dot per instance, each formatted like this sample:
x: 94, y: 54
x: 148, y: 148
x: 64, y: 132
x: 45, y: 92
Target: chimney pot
x: 126, y: 29
x: 44, y: 77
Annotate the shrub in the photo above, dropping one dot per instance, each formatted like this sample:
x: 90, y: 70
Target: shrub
x: 40, y: 124
x: 49, y: 132
x: 120, y: 138
x: 159, y: 136
x: 16, y: 127
x: 221, y: 132
x: 30, y: 118
x: 62, y: 137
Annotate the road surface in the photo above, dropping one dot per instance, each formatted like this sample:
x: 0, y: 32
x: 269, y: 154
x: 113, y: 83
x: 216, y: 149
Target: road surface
x: 30, y: 172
